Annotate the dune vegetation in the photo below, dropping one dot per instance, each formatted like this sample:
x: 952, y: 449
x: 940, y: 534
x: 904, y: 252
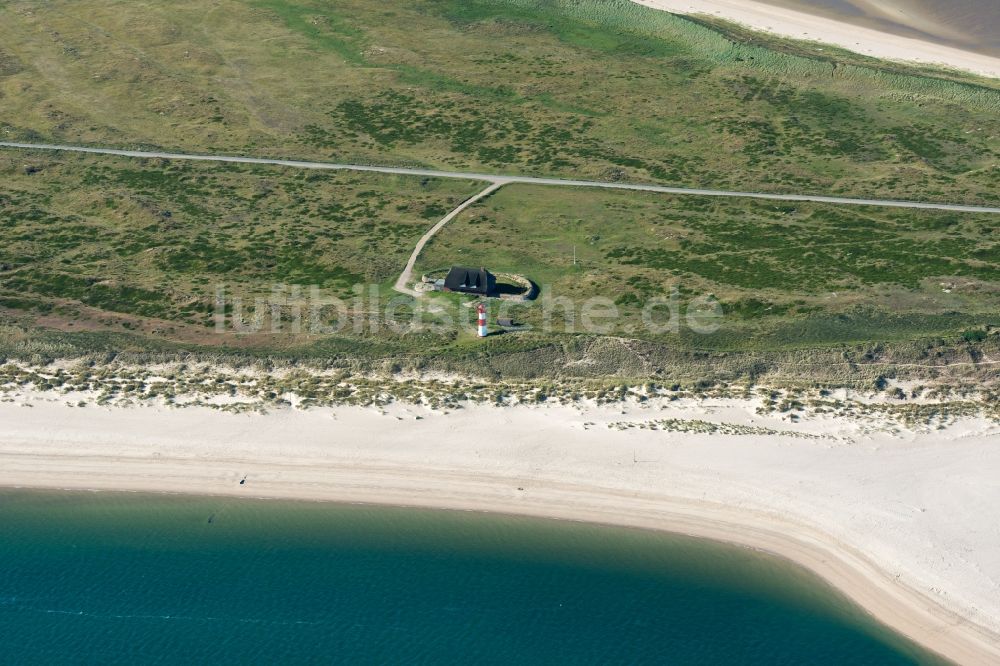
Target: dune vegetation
x: 603, y: 89
x: 144, y: 245
x: 105, y: 255
x: 784, y: 273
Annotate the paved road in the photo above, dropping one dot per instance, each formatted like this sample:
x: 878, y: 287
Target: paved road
x: 501, y: 180
x: 407, y: 273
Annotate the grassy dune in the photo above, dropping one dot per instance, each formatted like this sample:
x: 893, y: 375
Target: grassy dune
x: 601, y: 89
x: 785, y: 274
x: 101, y: 255
x: 151, y: 239
x: 105, y: 255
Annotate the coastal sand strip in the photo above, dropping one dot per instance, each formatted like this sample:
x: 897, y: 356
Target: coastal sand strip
x: 810, y: 501
x: 800, y: 25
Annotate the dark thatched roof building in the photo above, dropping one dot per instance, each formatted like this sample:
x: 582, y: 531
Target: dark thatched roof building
x: 471, y: 281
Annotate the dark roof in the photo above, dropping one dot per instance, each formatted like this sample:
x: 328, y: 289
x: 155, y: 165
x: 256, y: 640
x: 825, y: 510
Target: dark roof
x: 470, y: 280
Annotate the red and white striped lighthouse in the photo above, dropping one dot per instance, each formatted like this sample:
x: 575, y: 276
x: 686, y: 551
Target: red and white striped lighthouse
x: 482, y: 320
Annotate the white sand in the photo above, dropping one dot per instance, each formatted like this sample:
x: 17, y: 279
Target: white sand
x: 906, y: 524
x: 800, y: 25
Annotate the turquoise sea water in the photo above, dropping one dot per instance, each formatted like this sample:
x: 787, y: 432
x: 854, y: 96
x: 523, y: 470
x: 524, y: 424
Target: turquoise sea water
x: 124, y: 578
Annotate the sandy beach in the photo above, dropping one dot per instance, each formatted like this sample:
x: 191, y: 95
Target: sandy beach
x: 904, y: 523
x: 800, y: 25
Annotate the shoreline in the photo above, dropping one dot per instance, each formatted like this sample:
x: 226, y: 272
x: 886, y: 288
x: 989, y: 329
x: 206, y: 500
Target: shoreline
x: 543, y: 462
x: 794, y: 24
x: 842, y: 578
x: 847, y: 573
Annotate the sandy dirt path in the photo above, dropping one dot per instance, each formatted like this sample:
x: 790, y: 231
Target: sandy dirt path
x: 508, y: 179
x: 407, y: 275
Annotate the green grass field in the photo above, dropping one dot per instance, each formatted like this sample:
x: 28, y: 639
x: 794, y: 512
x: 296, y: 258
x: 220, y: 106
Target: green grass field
x: 603, y: 89
x: 153, y: 239
x: 102, y: 254
x: 784, y: 273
